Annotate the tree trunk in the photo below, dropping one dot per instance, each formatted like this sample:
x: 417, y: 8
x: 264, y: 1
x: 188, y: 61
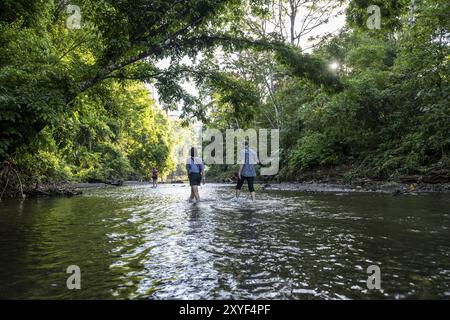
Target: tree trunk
x: 411, y: 20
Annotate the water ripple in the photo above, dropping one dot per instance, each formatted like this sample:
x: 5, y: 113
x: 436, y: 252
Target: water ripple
x: 144, y: 243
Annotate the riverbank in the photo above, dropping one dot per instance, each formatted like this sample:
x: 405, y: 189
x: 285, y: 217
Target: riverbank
x: 338, y: 180
x: 386, y: 187
x: 365, y: 186
x: 66, y: 189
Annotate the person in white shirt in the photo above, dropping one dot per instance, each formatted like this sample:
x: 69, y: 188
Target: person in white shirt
x: 195, y: 169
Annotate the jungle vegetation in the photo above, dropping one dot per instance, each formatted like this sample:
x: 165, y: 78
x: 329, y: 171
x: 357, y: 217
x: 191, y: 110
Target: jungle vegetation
x: 75, y: 103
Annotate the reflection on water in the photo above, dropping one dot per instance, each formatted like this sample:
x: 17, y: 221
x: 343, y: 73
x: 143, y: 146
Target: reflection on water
x: 143, y: 243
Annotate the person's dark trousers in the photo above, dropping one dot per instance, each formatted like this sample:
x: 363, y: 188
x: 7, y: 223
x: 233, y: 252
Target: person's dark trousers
x: 240, y: 183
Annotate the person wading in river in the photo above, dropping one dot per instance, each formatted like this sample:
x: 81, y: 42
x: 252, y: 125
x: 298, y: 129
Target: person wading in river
x: 247, y: 169
x: 155, y: 177
x: 195, y: 169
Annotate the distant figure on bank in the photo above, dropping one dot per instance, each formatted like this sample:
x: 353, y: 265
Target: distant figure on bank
x: 195, y: 169
x: 155, y: 177
x: 248, y: 159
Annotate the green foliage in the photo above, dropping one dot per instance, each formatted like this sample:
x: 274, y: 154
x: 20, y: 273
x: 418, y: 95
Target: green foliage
x: 314, y: 149
x: 310, y: 67
x: 73, y: 105
x: 113, y: 133
x: 391, y: 14
x: 383, y: 113
x: 393, y: 116
x: 236, y: 99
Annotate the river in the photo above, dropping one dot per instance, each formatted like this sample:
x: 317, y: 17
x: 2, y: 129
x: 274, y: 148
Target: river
x: 138, y: 242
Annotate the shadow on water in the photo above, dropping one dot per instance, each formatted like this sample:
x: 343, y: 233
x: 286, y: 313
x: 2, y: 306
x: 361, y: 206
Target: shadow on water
x: 149, y: 243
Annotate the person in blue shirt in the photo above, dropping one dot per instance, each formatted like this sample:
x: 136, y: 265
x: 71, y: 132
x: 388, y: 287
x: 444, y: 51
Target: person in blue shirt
x: 248, y: 159
x: 195, y: 170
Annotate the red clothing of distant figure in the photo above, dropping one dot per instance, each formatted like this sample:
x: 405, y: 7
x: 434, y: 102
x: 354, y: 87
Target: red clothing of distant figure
x: 155, y: 174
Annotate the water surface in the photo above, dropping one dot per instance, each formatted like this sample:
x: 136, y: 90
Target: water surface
x: 138, y: 242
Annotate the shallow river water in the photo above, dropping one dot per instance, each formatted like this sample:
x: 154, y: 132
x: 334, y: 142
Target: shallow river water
x: 137, y: 242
